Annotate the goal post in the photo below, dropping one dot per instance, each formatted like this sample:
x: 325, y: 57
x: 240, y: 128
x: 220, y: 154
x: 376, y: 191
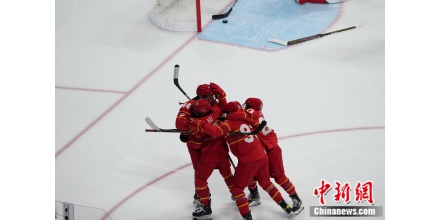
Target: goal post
x: 177, y: 15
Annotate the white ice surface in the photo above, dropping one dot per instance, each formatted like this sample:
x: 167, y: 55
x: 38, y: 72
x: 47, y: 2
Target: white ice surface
x: 114, y: 68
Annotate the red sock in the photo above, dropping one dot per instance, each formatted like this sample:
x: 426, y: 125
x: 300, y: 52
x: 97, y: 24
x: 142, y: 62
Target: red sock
x: 202, y: 191
x: 240, y: 200
x: 285, y: 183
x: 274, y: 193
x: 229, y: 180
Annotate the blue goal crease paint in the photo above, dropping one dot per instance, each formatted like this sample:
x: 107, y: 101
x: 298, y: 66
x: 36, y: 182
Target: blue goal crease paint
x: 255, y: 21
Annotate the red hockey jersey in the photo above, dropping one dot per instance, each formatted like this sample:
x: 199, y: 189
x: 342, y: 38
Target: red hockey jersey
x: 267, y: 136
x: 247, y: 148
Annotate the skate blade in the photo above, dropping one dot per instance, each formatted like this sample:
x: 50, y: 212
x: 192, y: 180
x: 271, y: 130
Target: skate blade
x: 207, y: 217
x: 299, y: 210
x: 254, y: 203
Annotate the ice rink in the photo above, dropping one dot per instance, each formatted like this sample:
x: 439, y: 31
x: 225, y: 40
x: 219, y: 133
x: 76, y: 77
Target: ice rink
x: 324, y: 98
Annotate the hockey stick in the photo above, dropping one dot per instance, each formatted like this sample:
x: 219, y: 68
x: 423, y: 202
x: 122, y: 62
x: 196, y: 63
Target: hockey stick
x: 256, y: 131
x: 297, y: 41
x: 156, y: 128
x: 225, y: 15
x: 176, y: 80
x: 166, y: 130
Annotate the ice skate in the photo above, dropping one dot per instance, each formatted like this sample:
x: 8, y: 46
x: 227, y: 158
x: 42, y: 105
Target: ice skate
x: 196, y: 198
x: 247, y: 216
x: 285, y: 207
x: 202, y: 211
x: 254, y: 197
x: 297, y: 206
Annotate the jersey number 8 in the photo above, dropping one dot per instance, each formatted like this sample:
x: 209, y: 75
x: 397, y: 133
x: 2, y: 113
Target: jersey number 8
x: 266, y: 130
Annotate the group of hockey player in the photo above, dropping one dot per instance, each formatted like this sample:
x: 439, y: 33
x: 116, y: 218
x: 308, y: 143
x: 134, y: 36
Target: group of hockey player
x: 210, y: 119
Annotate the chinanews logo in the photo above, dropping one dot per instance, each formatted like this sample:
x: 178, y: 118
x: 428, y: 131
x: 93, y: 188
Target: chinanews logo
x: 344, y: 193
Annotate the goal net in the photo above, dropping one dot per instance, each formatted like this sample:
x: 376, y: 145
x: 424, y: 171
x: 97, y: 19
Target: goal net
x: 177, y: 15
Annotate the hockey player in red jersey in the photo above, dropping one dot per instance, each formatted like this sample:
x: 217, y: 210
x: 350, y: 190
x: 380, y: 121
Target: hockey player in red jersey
x: 269, y: 140
x: 252, y: 160
x: 301, y: 2
x: 209, y: 92
x: 207, y: 153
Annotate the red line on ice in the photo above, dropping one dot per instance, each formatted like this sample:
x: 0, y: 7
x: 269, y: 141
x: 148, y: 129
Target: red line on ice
x: 140, y: 189
x: 121, y: 99
x: 331, y: 131
x: 90, y: 90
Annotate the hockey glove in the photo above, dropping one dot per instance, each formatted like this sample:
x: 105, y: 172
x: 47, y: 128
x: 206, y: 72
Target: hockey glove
x: 217, y: 91
x: 183, y: 137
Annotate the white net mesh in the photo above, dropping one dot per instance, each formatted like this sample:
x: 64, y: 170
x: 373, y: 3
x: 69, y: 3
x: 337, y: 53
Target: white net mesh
x: 175, y: 15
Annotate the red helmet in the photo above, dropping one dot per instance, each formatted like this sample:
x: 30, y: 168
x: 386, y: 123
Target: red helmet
x: 254, y: 103
x: 201, y: 107
x: 232, y: 107
x: 204, y: 90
